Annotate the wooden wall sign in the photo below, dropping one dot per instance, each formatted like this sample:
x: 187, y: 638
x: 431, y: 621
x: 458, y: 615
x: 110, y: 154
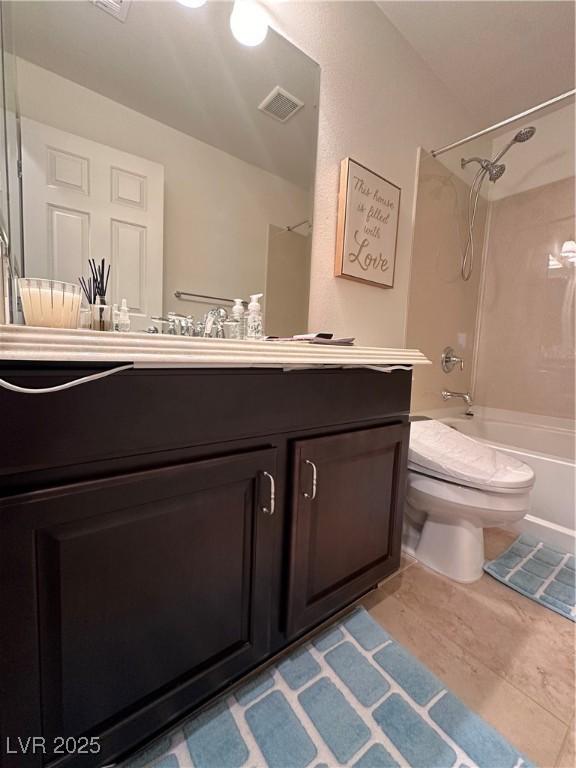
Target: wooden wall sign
x: 368, y: 207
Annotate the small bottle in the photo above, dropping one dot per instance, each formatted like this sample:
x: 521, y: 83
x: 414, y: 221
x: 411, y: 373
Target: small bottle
x: 254, y: 329
x: 238, y: 314
x: 124, y: 319
x: 115, y: 317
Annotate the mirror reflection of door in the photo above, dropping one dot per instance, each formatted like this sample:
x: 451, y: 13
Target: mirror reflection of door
x: 287, y: 282
x: 85, y: 200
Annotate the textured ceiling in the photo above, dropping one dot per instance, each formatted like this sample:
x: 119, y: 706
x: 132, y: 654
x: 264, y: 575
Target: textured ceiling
x: 183, y: 67
x: 497, y: 58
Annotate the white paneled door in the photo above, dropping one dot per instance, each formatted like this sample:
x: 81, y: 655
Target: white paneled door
x: 85, y: 200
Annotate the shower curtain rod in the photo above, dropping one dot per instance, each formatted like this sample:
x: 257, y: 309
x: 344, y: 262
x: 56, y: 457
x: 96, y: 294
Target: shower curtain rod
x: 567, y: 95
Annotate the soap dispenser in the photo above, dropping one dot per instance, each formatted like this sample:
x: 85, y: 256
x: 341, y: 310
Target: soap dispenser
x: 254, y: 329
x: 124, y: 319
x: 238, y: 315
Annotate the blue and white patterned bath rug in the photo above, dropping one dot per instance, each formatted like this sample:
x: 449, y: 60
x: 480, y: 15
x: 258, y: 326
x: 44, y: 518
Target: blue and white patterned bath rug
x: 538, y: 571
x: 354, y: 697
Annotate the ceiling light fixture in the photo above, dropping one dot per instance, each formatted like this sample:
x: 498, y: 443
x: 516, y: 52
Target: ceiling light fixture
x: 248, y: 22
x: 192, y: 3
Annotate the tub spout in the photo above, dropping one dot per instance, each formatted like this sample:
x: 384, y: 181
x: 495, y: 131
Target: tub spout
x: 466, y: 396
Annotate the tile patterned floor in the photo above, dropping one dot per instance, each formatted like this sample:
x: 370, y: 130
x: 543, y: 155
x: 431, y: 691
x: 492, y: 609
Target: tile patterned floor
x: 508, y: 658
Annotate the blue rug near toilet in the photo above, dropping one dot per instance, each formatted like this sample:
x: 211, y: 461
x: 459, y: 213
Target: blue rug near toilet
x: 353, y: 696
x: 540, y: 572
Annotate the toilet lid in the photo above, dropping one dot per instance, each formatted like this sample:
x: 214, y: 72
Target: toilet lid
x: 440, y: 451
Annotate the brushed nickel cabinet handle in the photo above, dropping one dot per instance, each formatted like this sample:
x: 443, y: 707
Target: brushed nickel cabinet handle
x: 312, y: 495
x: 271, y: 509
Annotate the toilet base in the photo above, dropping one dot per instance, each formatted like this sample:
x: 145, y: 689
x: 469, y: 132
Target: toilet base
x: 454, y: 550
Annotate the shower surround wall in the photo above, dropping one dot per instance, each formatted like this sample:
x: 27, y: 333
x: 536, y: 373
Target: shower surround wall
x: 513, y: 322
x: 517, y: 332
x: 526, y: 331
x: 442, y: 307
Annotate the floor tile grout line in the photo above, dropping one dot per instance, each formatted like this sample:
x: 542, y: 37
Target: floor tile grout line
x: 498, y: 674
x: 392, y: 576
x: 562, y: 745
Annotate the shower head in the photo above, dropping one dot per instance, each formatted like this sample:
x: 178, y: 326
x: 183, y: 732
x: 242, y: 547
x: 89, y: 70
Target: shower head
x: 493, y: 169
x: 524, y: 134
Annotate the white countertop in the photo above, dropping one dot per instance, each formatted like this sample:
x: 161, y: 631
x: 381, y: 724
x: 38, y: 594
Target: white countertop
x: 18, y: 342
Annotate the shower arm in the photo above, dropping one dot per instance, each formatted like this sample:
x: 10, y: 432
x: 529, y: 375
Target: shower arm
x: 503, y: 152
x: 473, y: 160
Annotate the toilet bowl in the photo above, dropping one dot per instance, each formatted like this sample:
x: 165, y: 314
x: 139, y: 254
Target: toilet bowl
x: 458, y: 486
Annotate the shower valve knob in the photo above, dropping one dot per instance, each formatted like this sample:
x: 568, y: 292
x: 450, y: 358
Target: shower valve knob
x: 450, y: 360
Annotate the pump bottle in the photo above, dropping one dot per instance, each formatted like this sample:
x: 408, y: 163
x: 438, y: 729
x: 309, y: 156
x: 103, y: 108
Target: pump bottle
x: 254, y: 329
x: 238, y: 314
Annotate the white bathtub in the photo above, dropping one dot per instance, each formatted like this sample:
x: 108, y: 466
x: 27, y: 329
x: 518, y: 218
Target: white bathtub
x: 549, y: 450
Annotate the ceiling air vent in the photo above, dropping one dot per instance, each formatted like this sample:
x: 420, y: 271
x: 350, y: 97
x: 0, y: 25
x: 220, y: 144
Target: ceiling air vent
x: 116, y: 8
x: 280, y: 104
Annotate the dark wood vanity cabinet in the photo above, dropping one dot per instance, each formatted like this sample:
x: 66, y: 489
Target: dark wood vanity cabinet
x: 149, y: 580
x: 346, y: 519
x: 140, y: 575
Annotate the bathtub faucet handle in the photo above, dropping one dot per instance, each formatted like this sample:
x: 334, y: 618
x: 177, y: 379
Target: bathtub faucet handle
x: 450, y: 360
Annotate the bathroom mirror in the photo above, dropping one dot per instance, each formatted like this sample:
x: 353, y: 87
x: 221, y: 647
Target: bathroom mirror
x: 152, y: 138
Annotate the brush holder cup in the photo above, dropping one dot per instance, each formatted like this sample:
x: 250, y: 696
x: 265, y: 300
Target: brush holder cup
x: 49, y: 303
x: 101, y: 317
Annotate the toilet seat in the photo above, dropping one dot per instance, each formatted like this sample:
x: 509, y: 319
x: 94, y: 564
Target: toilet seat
x: 452, y: 501
x: 472, y: 484
x: 439, y: 451
x: 456, y: 487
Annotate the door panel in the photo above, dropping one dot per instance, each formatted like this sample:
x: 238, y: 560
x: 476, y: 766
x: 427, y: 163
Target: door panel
x: 129, y: 259
x: 68, y: 248
x: 68, y: 170
x: 93, y: 200
x: 347, y: 513
x: 150, y: 582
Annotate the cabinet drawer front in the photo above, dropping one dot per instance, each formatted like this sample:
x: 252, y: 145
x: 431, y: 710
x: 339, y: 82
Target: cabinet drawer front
x: 149, y: 583
x: 347, y: 516
x: 309, y: 399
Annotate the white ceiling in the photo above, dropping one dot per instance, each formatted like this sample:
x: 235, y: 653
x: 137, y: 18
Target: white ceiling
x: 183, y: 67
x: 497, y: 57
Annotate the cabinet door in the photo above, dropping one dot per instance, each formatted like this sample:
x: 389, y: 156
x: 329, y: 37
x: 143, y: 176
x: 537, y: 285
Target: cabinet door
x: 347, y: 518
x: 153, y: 588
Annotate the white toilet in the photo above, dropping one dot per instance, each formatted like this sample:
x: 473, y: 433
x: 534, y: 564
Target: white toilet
x: 456, y: 487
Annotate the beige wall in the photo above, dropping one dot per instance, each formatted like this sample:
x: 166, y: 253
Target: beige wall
x: 378, y: 103
x: 441, y: 306
x: 217, y: 208
x: 526, y: 334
